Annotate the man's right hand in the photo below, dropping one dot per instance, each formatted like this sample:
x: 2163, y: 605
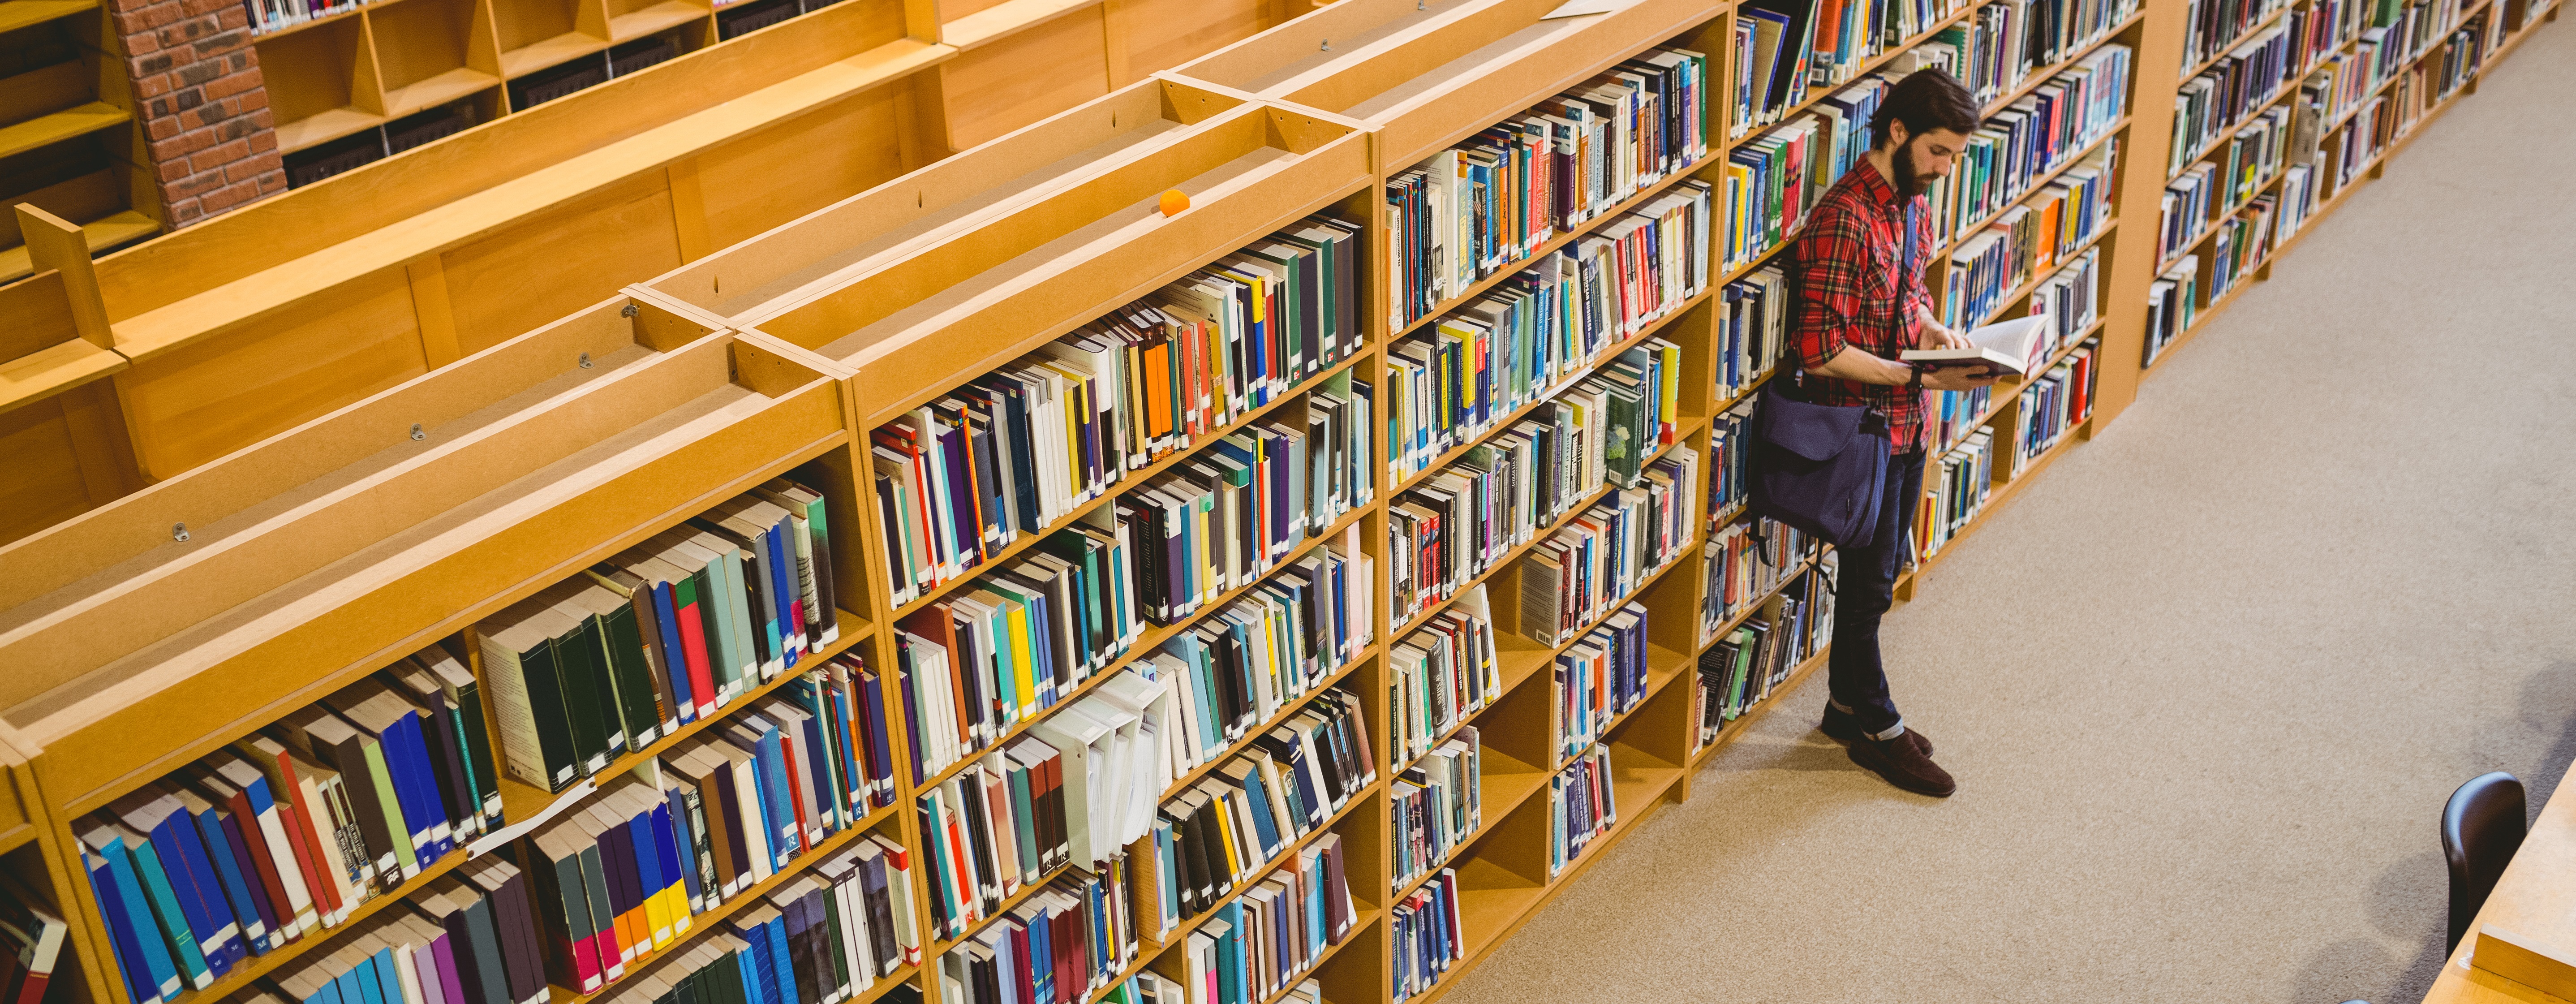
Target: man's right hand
x: 1958, y: 378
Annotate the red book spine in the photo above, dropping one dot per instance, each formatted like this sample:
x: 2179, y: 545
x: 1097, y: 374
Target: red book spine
x: 264, y: 862
x: 693, y: 637
x: 307, y: 836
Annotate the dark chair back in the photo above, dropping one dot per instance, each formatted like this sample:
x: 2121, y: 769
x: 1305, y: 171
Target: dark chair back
x: 2481, y: 827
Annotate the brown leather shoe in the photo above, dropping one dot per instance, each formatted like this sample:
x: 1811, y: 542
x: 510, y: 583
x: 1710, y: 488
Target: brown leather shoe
x: 1840, y: 727
x: 1904, y: 765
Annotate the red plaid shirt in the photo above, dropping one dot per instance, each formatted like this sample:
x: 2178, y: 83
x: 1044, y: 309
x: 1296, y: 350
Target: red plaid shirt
x: 1845, y: 267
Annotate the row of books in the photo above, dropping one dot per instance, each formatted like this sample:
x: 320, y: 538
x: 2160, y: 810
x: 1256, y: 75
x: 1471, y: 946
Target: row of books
x: 978, y: 664
x: 2188, y: 206
x: 2240, y: 244
x: 1263, y: 654
x: 1447, y: 530
x: 468, y: 937
x: 1232, y: 514
x: 2321, y: 28
x: 2215, y: 26
x: 288, y: 831
x: 1483, y: 206
x: 818, y: 940
x: 1425, y: 932
x: 1022, y: 448
x: 2038, y: 133
x: 661, y: 635
x: 1729, y: 486
x: 1752, y: 335
x: 1582, y: 805
x: 1600, y: 677
x: 1072, y: 792
x: 1606, y: 554
x: 1771, y: 181
x: 1783, y: 49
x: 1956, y: 487
x: 1747, y: 562
x: 2256, y: 154
x: 2053, y: 404
x: 623, y: 877
x: 2245, y: 81
x: 1061, y: 944
x: 2173, y: 302
x: 1441, y: 675
x: 2002, y: 44
x: 1435, y: 805
x: 1952, y: 414
x: 1453, y: 526
x: 1530, y: 338
x: 1255, y: 947
x: 274, y: 15
x: 2071, y: 299
x: 32, y: 933
x: 1213, y: 838
x: 2027, y: 240
x: 1743, y: 669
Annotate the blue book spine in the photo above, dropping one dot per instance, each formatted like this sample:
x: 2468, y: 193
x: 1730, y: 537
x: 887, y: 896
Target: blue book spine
x: 422, y: 806
x: 818, y: 768
x: 388, y: 975
x: 789, y: 587
x: 746, y: 969
x: 228, y: 870
x: 764, y: 971
x: 782, y: 814
x: 171, y: 918
x: 786, y: 973
x: 200, y: 896
x: 425, y: 769
x: 137, y: 911
x: 675, y: 660
x: 648, y: 864
x: 329, y: 994
x: 140, y: 988
x: 667, y: 849
x: 345, y: 986
x: 370, y: 990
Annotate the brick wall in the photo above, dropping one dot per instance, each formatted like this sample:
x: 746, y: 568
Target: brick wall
x: 206, y: 120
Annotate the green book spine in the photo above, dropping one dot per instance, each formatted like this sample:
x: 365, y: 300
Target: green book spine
x: 576, y: 658
x: 738, y: 607
x: 724, y: 657
x: 539, y: 668
x: 401, y: 831
x: 630, y: 675
x: 165, y: 908
x: 824, y: 597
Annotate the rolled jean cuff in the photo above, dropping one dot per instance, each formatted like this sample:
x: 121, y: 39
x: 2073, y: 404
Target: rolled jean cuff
x: 1892, y: 732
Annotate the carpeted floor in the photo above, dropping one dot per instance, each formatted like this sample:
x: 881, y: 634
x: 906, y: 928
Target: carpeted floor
x: 2207, y: 683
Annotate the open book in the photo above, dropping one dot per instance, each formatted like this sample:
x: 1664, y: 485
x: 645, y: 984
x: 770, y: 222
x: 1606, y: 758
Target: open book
x: 2009, y: 347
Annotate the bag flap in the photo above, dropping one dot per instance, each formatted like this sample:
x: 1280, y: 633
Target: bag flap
x: 1814, y: 431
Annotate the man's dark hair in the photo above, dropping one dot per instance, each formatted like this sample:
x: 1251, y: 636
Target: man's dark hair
x: 1925, y: 100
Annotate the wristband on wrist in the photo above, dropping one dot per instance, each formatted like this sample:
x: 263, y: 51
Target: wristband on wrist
x: 1915, y: 381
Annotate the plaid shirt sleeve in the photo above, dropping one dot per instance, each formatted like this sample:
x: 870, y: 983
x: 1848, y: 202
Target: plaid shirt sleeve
x: 1830, y: 258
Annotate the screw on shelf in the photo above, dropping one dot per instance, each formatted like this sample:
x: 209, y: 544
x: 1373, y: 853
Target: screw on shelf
x: 418, y: 433
x: 585, y: 360
x: 179, y: 531
x: 1328, y: 45
x: 627, y: 311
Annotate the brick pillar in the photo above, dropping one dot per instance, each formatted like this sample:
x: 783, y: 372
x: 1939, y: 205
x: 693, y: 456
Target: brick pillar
x: 206, y: 120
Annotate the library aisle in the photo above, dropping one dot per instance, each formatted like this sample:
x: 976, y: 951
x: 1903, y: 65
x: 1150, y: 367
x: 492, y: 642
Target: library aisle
x: 2207, y: 684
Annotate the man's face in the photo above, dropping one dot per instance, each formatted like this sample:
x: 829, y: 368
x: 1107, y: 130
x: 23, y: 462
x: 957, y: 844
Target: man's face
x: 1920, y: 159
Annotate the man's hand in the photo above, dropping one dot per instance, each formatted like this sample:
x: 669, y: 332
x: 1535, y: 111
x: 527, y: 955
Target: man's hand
x: 1958, y: 378
x: 1936, y: 335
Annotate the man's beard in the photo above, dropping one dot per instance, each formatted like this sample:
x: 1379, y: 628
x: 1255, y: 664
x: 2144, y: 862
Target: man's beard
x: 1908, y: 183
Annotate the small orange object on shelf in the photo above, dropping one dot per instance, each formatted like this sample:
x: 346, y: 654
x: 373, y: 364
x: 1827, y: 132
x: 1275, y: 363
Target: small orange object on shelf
x: 1174, y: 202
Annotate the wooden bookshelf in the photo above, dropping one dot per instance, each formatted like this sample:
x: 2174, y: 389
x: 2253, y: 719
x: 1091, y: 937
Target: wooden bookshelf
x: 69, y: 141
x: 606, y: 311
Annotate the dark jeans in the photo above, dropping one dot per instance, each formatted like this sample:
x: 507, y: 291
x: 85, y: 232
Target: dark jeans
x: 1865, y: 587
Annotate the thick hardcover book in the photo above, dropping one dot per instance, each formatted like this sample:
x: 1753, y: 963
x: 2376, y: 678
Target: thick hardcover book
x: 527, y: 695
